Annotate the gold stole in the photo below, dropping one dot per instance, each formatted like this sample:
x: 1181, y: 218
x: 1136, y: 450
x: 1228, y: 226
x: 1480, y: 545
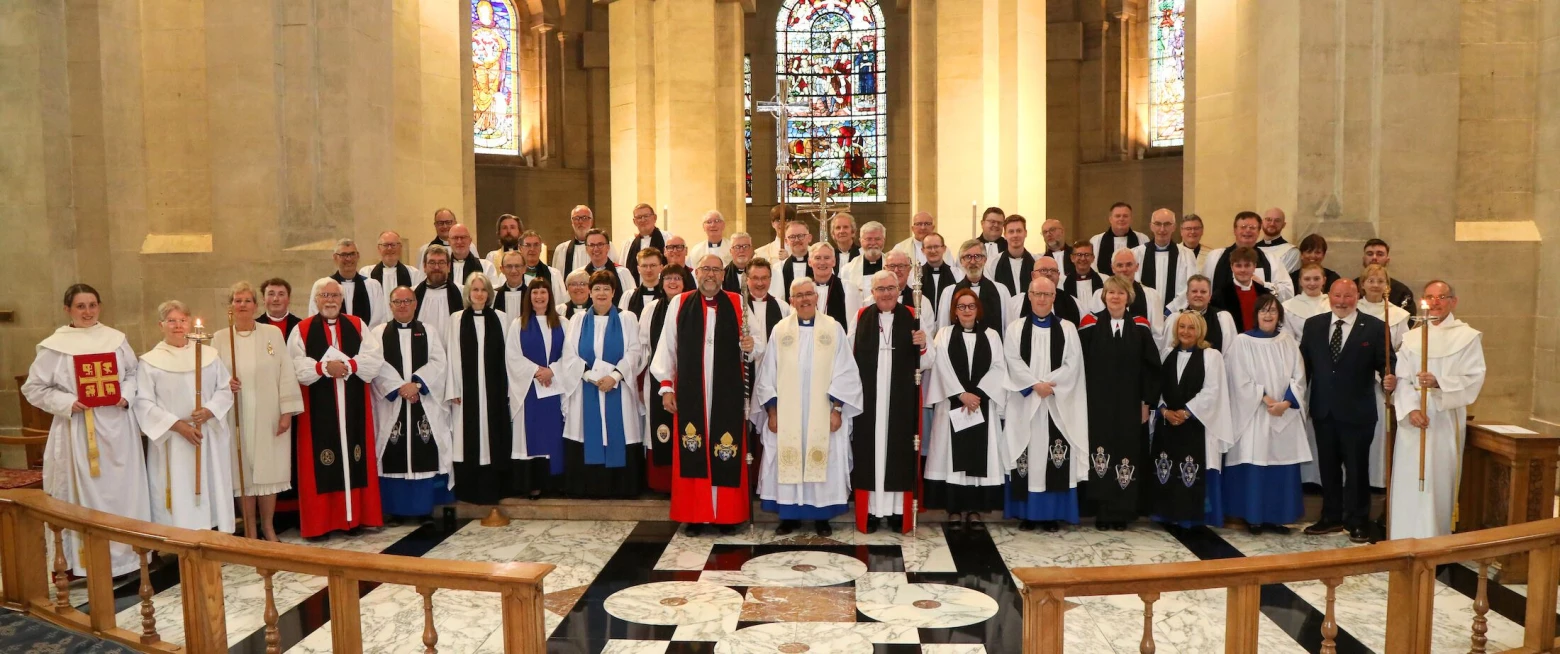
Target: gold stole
x: 793, y: 468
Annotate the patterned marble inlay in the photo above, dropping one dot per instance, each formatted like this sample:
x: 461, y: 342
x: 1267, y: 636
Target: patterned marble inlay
x: 795, y: 638
x: 636, y: 647
x: 957, y: 648
x: 674, y: 603
x: 798, y: 568
x: 888, y: 597
x: 925, y: 549
x: 766, y: 604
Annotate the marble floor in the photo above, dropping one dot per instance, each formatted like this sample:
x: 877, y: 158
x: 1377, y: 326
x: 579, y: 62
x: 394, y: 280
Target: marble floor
x: 650, y: 588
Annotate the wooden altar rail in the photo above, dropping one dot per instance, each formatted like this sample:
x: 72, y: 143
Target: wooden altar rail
x: 1410, y: 566
x: 27, y: 517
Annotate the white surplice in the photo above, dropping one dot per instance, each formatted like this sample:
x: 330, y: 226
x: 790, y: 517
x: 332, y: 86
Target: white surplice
x: 1027, y: 428
x: 522, y: 375
x: 454, y: 385
x: 1457, y: 361
x: 1297, y: 310
x: 120, y: 487
x: 943, y: 383
x: 1270, y: 367
x: 270, y: 389
x: 628, y: 367
x: 430, y: 379
x: 882, y: 503
x: 1398, y: 322
x: 844, y: 385
x: 378, y: 301
x: 434, y: 310
x: 165, y: 394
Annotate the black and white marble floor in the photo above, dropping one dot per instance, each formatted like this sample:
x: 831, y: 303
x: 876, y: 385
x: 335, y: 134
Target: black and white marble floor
x: 649, y: 588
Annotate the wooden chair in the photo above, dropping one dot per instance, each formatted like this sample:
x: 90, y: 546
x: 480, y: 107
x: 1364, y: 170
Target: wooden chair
x: 35, y: 434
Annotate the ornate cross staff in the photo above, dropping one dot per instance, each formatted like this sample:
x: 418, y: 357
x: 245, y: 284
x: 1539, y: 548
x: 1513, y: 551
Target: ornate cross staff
x: 1390, y: 432
x: 1424, y: 392
x: 783, y: 110
x: 199, y: 337
x: 238, y: 422
x: 915, y: 298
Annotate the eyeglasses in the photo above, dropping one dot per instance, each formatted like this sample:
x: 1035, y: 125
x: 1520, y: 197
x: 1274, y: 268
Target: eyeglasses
x: 444, y: 223
x: 804, y: 294
x: 1439, y: 298
x: 885, y: 289
x: 347, y: 255
x: 389, y: 245
x: 595, y: 245
x: 972, y: 258
x: 742, y: 247
x: 709, y: 270
x: 328, y: 296
x: 898, y: 266
x: 402, y: 302
x: 965, y: 307
x: 796, y: 238
x: 676, y: 248
x: 1042, y: 294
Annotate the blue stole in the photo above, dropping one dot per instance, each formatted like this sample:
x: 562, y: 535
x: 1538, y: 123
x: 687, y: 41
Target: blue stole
x: 543, y: 416
x: 611, y: 454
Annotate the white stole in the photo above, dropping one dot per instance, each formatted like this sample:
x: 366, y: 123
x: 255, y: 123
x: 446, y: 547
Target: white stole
x: 793, y: 469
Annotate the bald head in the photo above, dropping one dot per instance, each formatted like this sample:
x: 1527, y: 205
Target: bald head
x: 922, y: 224
x: 1344, y: 296
x: 1047, y: 268
x: 1273, y: 221
x: 1055, y: 235
x: 460, y: 241
x: 1162, y: 224
x: 1123, y: 263
x: 1042, y: 295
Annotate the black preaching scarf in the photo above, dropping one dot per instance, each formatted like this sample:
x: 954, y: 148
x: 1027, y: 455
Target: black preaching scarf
x: 416, y: 431
x: 836, y: 303
x: 403, y: 275
x: 657, y: 241
x: 854, y: 251
x: 990, y: 303
x: 903, y: 403
x: 771, y: 318
x: 1058, y: 475
x: 1215, y: 335
x: 452, y: 298
x: 1070, y: 284
x: 568, y: 254
x: 870, y: 268
x: 970, y: 445
x: 617, y: 284
x: 324, y: 431
x: 733, y: 280
x: 933, y: 286
x: 788, y: 275
x: 1138, y: 307
x: 573, y: 309
x: 1221, y: 270
x: 1150, y: 271
x: 1180, y: 452
x: 1107, y: 248
x: 1000, y: 241
x: 661, y: 420
x: 503, y: 291
x: 472, y: 263
x: 642, y: 295
x: 1004, y: 271
x: 360, y: 302
x: 718, y: 458
x: 495, y: 405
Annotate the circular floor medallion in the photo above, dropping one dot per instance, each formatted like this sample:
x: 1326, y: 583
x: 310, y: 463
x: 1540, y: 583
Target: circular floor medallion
x: 927, y: 606
x: 804, y: 568
x: 922, y: 604
x: 795, y: 638
x: 674, y: 603
x: 793, y: 648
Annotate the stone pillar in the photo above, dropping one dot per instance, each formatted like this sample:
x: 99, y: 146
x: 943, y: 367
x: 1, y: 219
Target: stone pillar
x: 1546, y: 212
x: 990, y: 68
x: 923, y: 107
x: 690, y: 74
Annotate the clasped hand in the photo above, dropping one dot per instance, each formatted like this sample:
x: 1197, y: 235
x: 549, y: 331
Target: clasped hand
x: 337, y: 369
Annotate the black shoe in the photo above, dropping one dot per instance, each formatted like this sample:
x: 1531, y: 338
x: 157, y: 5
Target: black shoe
x: 972, y: 521
x: 1276, y: 529
x: 1324, y: 527
x: 1254, y: 528
x: 1028, y: 525
x: 1119, y: 526
x: 1053, y: 526
x: 896, y: 523
x: 786, y: 528
x: 727, y: 530
x: 1359, y: 535
x: 695, y: 529
x: 872, y: 525
x: 1102, y: 525
x: 824, y: 530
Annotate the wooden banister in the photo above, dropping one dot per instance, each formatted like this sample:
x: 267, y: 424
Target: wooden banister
x: 1410, y: 565
x: 27, y: 579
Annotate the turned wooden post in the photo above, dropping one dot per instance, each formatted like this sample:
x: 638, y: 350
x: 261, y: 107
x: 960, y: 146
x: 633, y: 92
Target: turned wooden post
x: 1147, y: 646
x: 273, y: 635
x: 430, y: 634
x: 1330, y: 619
x: 148, y: 614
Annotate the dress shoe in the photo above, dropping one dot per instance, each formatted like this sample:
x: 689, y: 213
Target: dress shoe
x: 896, y: 523
x: 1359, y: 535
x: 872, y: 525
x: 1026, y: 525
x: 824, y: 530
x: 1053, y: 526
x: 1119, y: 526
x: 695, y: 529
x: 727, y: 530
x: 1324, y: 527
x: 1254, y: 528
x: 972, y: 521
x: 1102, y: 525
x: 1276, y: 529
x: 786, y: 527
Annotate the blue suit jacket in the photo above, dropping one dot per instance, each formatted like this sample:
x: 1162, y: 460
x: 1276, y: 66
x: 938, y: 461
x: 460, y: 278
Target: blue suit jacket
x: 1343, y: 390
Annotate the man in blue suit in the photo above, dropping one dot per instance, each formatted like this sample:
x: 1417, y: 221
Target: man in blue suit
x: 1343, y: 351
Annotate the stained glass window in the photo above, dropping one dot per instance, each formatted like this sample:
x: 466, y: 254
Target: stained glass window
x: 831, y: 53
x: 494, y: 83
x: 1167, y: 73
x: 747, y: 119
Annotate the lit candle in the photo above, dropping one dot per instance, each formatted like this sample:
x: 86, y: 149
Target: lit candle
x: 197, y: 325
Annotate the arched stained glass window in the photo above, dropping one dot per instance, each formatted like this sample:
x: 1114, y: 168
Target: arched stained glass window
x: 831, y: 54
x: 1167, y: 73
x: 495, y: 86
x: 747, y: 120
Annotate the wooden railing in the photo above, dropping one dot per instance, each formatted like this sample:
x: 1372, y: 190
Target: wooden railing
x: 1410, y: 566
x: 27, y: 517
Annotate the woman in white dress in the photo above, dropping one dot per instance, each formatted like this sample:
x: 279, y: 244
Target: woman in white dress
x: 266, y: 396
x: 969, y: 375
x: 101, y: 469
x: 1267, y: 384
x: 1309, y: 300
x: 534, y: 348
x: 477, y: 390
x: 602, y: 451
x: 165, y: 408
x: 1375, y: 287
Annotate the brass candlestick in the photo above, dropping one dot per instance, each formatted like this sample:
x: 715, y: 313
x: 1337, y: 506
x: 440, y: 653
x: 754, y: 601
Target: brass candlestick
x: 199, y: 337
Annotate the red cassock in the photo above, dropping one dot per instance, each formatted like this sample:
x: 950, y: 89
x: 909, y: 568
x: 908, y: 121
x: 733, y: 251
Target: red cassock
x: 332, y: 469
x: 697, y: 499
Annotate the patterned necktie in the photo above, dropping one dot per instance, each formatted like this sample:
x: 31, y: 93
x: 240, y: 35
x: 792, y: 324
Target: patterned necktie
x: 1337, y: 339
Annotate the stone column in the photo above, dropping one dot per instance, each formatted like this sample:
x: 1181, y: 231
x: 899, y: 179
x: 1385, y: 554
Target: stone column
x: 1546, y: 209
x: 990, y: 68
x: 632, y: 95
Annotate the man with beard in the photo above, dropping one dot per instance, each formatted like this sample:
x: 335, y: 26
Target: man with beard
x: 993, y: 298
x: 391, y: 272
x: 336, y: 361
x: 1056, y: 245
x: 858, y: 273
x: 699, y: 361
x: 437, y: 296
x: 414, y: 449
x: 509, y: 230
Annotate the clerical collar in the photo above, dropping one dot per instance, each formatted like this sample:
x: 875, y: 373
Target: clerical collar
x: 1046, y: 322
x: 708, y: 301
x: 805, y: 322
x: 1248, y: 286
x: 1278, y: 240
x: 1163, y: 248
x: 330, y: 321
x: 648, y: 290
x: 756, y: 298
x: 390, y: 265
x: 435, y: 287
x: 1256, y: 332
x: 532, y: 270
x: 476, y: 312
x: 579, y: 241
x: 1020, y: 255
x: 715, y: 244
x: 281, y: 317
x: 1187, y: 350
x: 967, y: 330
x: 402, y: 325
x: 983, y: 239
x: 514, y: 289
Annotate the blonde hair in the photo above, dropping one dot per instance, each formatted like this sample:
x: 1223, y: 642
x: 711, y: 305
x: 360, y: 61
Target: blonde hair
x: 1202, y: 329
x: 1119, y: 283
x: 473, y: 279
x: 169, y: 307
x: 242, y: 287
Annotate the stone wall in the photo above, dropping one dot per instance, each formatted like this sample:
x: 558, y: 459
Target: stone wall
x: 1546, y: 212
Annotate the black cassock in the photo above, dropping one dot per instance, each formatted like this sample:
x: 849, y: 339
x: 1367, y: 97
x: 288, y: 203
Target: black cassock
x: 1122, y: 375
x: 410, y: 441
x: 1179, y: 452
x: 474, y: 482
x: 901, y: 471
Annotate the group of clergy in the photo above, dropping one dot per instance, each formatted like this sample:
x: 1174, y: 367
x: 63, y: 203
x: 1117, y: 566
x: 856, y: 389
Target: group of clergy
x: 1118, y: 376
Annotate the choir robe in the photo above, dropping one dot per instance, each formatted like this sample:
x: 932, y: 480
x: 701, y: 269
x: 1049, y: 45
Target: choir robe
x: 625, y: 281
x: 657, y: 427
x: 965, y: 470
x: 1216, y: 267
x: 1105, y: 248
x: 165, y: 394
x: 1186, y: 482
x: 435, y: 304
x: 807, y: 366
x: 765, y: 314
x: 423, y: 249
x: 934, y: 279
x: 414, y: 449
x: 120, y: 485
x: 1122, y: 375
x: 721, y: 249
x: 393, y: 277
x: 338, y: 479
x: 1457, y: 361
x: 461, y: 269
x: 993, y: 248
x: 1398, y: 324
x: 373, y: 308
x: 885, y: 472
x: 510, y: 299
x: 1221, y: 326
x: 788, y: 270
x: 772, y: 251
x: 913, y: 248
x: 993, y: 300
x: 1297, y: 310
x: 567, y: 310
x: 839, y: 300
x: 1043, y: 486
x: 1082, y: 287
x: 1065, y: 308
x: 699, y: 357
x: 495, y: 258
x: 287, y: 500
x: 571, y: 254
x: 630, y: 256
x: 843, y: 257
x: 858, y: 275
x: 269, y: 390
x: 480, y: 421
x: 607, y: 458
x: 537, y: 436
x: 1146, y: 303
x: 1165, y: 271
x: 736, y: 278
x: 1262, y: 470
x: 637, y: 300
x: 1013, y: 273
x: 1282, y: 252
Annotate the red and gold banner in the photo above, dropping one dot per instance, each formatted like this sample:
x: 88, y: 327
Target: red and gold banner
x: 97, y: 385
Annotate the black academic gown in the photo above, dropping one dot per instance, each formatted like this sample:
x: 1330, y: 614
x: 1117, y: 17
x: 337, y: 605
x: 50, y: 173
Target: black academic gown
x: 1122, y: 375
x: 1177, y: 486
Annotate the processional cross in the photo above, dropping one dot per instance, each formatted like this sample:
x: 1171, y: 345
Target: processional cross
x: 821, y: 209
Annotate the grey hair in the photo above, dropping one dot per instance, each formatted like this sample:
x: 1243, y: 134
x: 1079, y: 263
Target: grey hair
x: 712, y: 213
x: 345, y: 242
x: 848, y: 218
x: 435, y: 249
x: 799, y: 281
x: 1451, y: 291
x: 579, y: 275
x: 741, y: 235
x: 320, y: 284
x: 874, y: 226
x: 820, y: 245
x: 242, y: 287
x: 893, y: 253
x: 884, y: 276
x: 169, y: 307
